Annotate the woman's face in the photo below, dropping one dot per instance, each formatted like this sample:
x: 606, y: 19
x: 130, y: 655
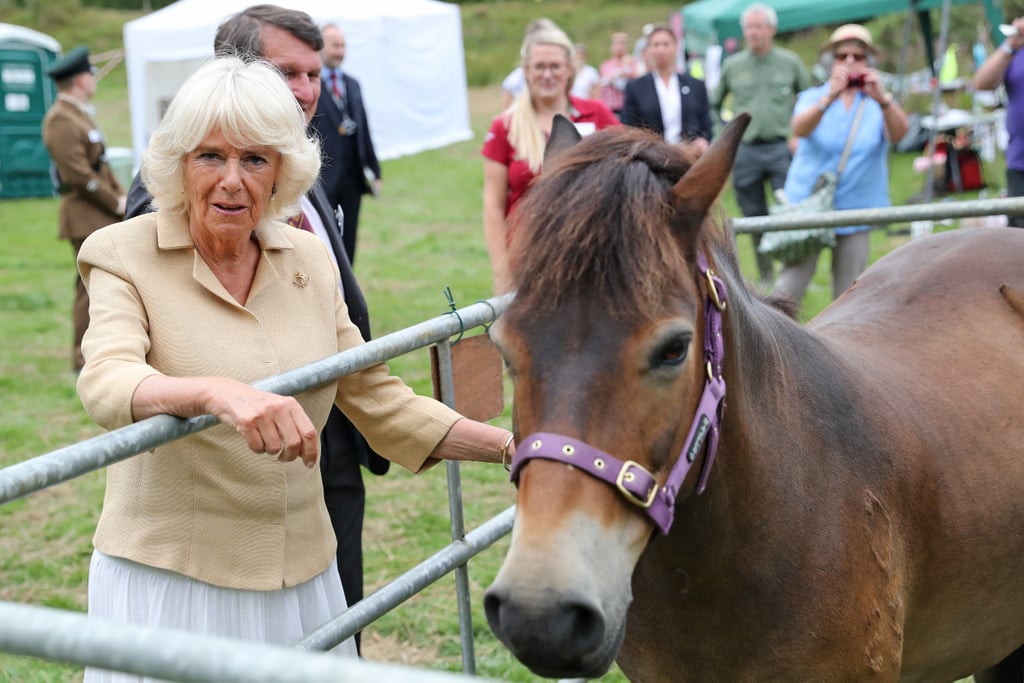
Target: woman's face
x: 619, y: 46
x: 662, y: 49
x: 547, y: 71
x: 228, y: 188
x: 849, y: 56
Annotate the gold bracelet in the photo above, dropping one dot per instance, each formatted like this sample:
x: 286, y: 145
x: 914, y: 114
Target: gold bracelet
x: 503, y: 452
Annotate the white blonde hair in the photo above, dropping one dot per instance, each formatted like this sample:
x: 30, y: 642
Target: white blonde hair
x: 770, y: 16
x: 523, y: 134
x: 251, y: 105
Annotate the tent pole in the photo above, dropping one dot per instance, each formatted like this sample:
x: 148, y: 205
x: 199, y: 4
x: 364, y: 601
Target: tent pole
x: 901, y: 68
x: 937, y: 101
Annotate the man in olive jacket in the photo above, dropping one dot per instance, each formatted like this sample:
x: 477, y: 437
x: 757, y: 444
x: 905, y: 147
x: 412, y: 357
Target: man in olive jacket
x: 91, y: 197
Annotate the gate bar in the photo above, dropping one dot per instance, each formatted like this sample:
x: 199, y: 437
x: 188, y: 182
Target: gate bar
x: 81, y: 458
x: 367, y: 610
x: 60, y: 635
x: 883, y: 216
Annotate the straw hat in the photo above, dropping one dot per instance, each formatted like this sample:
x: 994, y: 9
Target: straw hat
x: 848, y: 32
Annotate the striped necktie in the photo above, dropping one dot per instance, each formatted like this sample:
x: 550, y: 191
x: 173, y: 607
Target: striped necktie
x: 335, y: 89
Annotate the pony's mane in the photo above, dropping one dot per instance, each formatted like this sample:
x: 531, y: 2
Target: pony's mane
x: 596, y: 223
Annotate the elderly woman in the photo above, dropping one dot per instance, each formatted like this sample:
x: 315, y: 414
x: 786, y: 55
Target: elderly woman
x: 223, y: 532
x: 514, y: 147
x: 823, y: 120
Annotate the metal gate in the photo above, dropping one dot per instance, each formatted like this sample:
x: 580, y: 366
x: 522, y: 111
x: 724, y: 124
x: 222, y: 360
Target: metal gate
x: 71, y: 637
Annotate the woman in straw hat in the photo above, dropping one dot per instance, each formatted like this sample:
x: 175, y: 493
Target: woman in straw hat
x: 823, y: 120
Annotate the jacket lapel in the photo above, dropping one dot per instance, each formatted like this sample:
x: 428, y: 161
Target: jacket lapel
x: 353, y: 294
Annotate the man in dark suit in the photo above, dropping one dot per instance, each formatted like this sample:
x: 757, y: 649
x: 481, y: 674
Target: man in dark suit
x: 291, y: 40
x: 674, y: 105
x: 350, y: 164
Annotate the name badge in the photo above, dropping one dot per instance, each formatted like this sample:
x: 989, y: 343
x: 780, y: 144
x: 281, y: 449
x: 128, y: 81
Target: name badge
x: 95, y: 135
x: 585, y: 128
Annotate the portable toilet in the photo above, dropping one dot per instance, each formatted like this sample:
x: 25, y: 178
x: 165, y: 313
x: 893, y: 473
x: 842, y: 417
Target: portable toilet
x: 26, y: 92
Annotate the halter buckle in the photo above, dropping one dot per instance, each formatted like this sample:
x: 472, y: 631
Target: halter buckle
x: 630, y: 495
x: 713, y: 290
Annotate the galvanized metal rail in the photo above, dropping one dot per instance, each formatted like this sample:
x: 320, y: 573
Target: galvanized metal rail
x: 64, y: 636
x: 881, y: 217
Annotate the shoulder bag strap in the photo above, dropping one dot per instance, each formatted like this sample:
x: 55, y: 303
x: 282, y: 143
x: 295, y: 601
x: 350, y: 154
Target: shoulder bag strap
x: 849, y: 140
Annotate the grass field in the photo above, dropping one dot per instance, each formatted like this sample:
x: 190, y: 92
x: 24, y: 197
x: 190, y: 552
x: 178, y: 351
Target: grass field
x: 424, y: 234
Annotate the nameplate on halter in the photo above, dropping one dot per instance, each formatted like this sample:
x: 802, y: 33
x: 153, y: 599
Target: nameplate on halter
x: 698, y: 438
x: 477, y: 377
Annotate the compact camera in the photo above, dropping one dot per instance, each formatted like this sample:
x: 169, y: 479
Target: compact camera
x: 855, y: 81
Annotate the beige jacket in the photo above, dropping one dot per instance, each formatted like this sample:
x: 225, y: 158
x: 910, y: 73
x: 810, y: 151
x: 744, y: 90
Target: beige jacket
x: 206, y: 506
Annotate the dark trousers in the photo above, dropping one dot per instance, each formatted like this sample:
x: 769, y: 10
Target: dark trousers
x: 345, y: 497
x: 1015, y: 188
x: 755, y: 165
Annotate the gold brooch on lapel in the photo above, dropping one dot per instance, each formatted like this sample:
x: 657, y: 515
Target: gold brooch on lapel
x: 301, y: 279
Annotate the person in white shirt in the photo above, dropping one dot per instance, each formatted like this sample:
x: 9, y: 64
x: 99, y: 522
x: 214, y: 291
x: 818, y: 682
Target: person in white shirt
x: 587, y: 79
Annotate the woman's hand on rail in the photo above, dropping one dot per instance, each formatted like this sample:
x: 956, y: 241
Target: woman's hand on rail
x: 268, y: 422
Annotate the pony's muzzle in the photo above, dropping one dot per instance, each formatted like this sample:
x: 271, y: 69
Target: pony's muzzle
x: 563, y: 637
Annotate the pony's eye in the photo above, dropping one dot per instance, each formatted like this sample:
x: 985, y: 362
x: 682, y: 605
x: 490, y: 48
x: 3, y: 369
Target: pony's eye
x: 673, y: 352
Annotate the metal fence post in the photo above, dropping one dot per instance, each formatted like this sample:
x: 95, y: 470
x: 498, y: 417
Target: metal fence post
x: 455, y: 512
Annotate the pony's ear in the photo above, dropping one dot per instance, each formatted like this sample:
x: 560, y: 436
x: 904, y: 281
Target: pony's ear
x: 697, y: 190
x: 563, y: 136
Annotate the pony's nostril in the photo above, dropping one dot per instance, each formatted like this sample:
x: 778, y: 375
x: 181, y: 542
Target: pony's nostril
x: 493, y: 598
x: 578, y: 625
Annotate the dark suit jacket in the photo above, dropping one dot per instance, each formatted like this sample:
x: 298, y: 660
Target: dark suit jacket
x: 340, y: 440
x: 641, y: 108
x: 327, y: 120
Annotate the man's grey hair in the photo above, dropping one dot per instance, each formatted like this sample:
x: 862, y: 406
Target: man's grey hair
x: 242, y: 34
x: 759, y: 8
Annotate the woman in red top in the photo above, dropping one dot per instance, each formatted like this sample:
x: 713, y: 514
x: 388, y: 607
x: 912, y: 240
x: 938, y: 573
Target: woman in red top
x: 514, y: 146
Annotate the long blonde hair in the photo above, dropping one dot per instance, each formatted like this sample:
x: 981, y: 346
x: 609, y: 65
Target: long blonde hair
x: 523, y: 134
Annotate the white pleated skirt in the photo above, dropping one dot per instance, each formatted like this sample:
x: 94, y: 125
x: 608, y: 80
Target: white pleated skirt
x: 126, y: 591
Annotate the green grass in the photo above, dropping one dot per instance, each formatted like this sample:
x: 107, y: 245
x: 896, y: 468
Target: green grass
x: 424, y: 234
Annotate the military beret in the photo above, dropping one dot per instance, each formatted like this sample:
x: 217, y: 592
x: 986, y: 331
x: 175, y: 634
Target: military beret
x: 74, y: 62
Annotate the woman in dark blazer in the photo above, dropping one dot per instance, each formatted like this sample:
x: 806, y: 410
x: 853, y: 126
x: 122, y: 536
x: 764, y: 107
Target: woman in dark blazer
x: 680, y: 111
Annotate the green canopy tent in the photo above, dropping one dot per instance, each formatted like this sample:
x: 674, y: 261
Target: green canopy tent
x: 709, y: 22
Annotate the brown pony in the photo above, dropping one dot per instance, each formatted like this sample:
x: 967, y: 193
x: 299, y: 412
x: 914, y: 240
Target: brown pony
x: 864, y: 516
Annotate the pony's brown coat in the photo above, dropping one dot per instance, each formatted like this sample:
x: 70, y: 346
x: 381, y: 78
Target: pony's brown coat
x: 863, y: 520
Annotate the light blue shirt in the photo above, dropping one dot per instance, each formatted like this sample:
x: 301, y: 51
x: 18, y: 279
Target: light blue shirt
x: 325, y: 76
x: 864, y: 182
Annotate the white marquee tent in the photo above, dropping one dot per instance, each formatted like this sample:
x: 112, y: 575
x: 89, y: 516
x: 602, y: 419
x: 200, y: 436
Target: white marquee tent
x: 406, y: 54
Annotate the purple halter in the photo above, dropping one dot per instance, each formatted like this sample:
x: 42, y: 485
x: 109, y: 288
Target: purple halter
x: 635, y: 483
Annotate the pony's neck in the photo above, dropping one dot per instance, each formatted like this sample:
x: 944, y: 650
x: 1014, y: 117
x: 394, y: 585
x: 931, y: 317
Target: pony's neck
x: 778, y: 373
